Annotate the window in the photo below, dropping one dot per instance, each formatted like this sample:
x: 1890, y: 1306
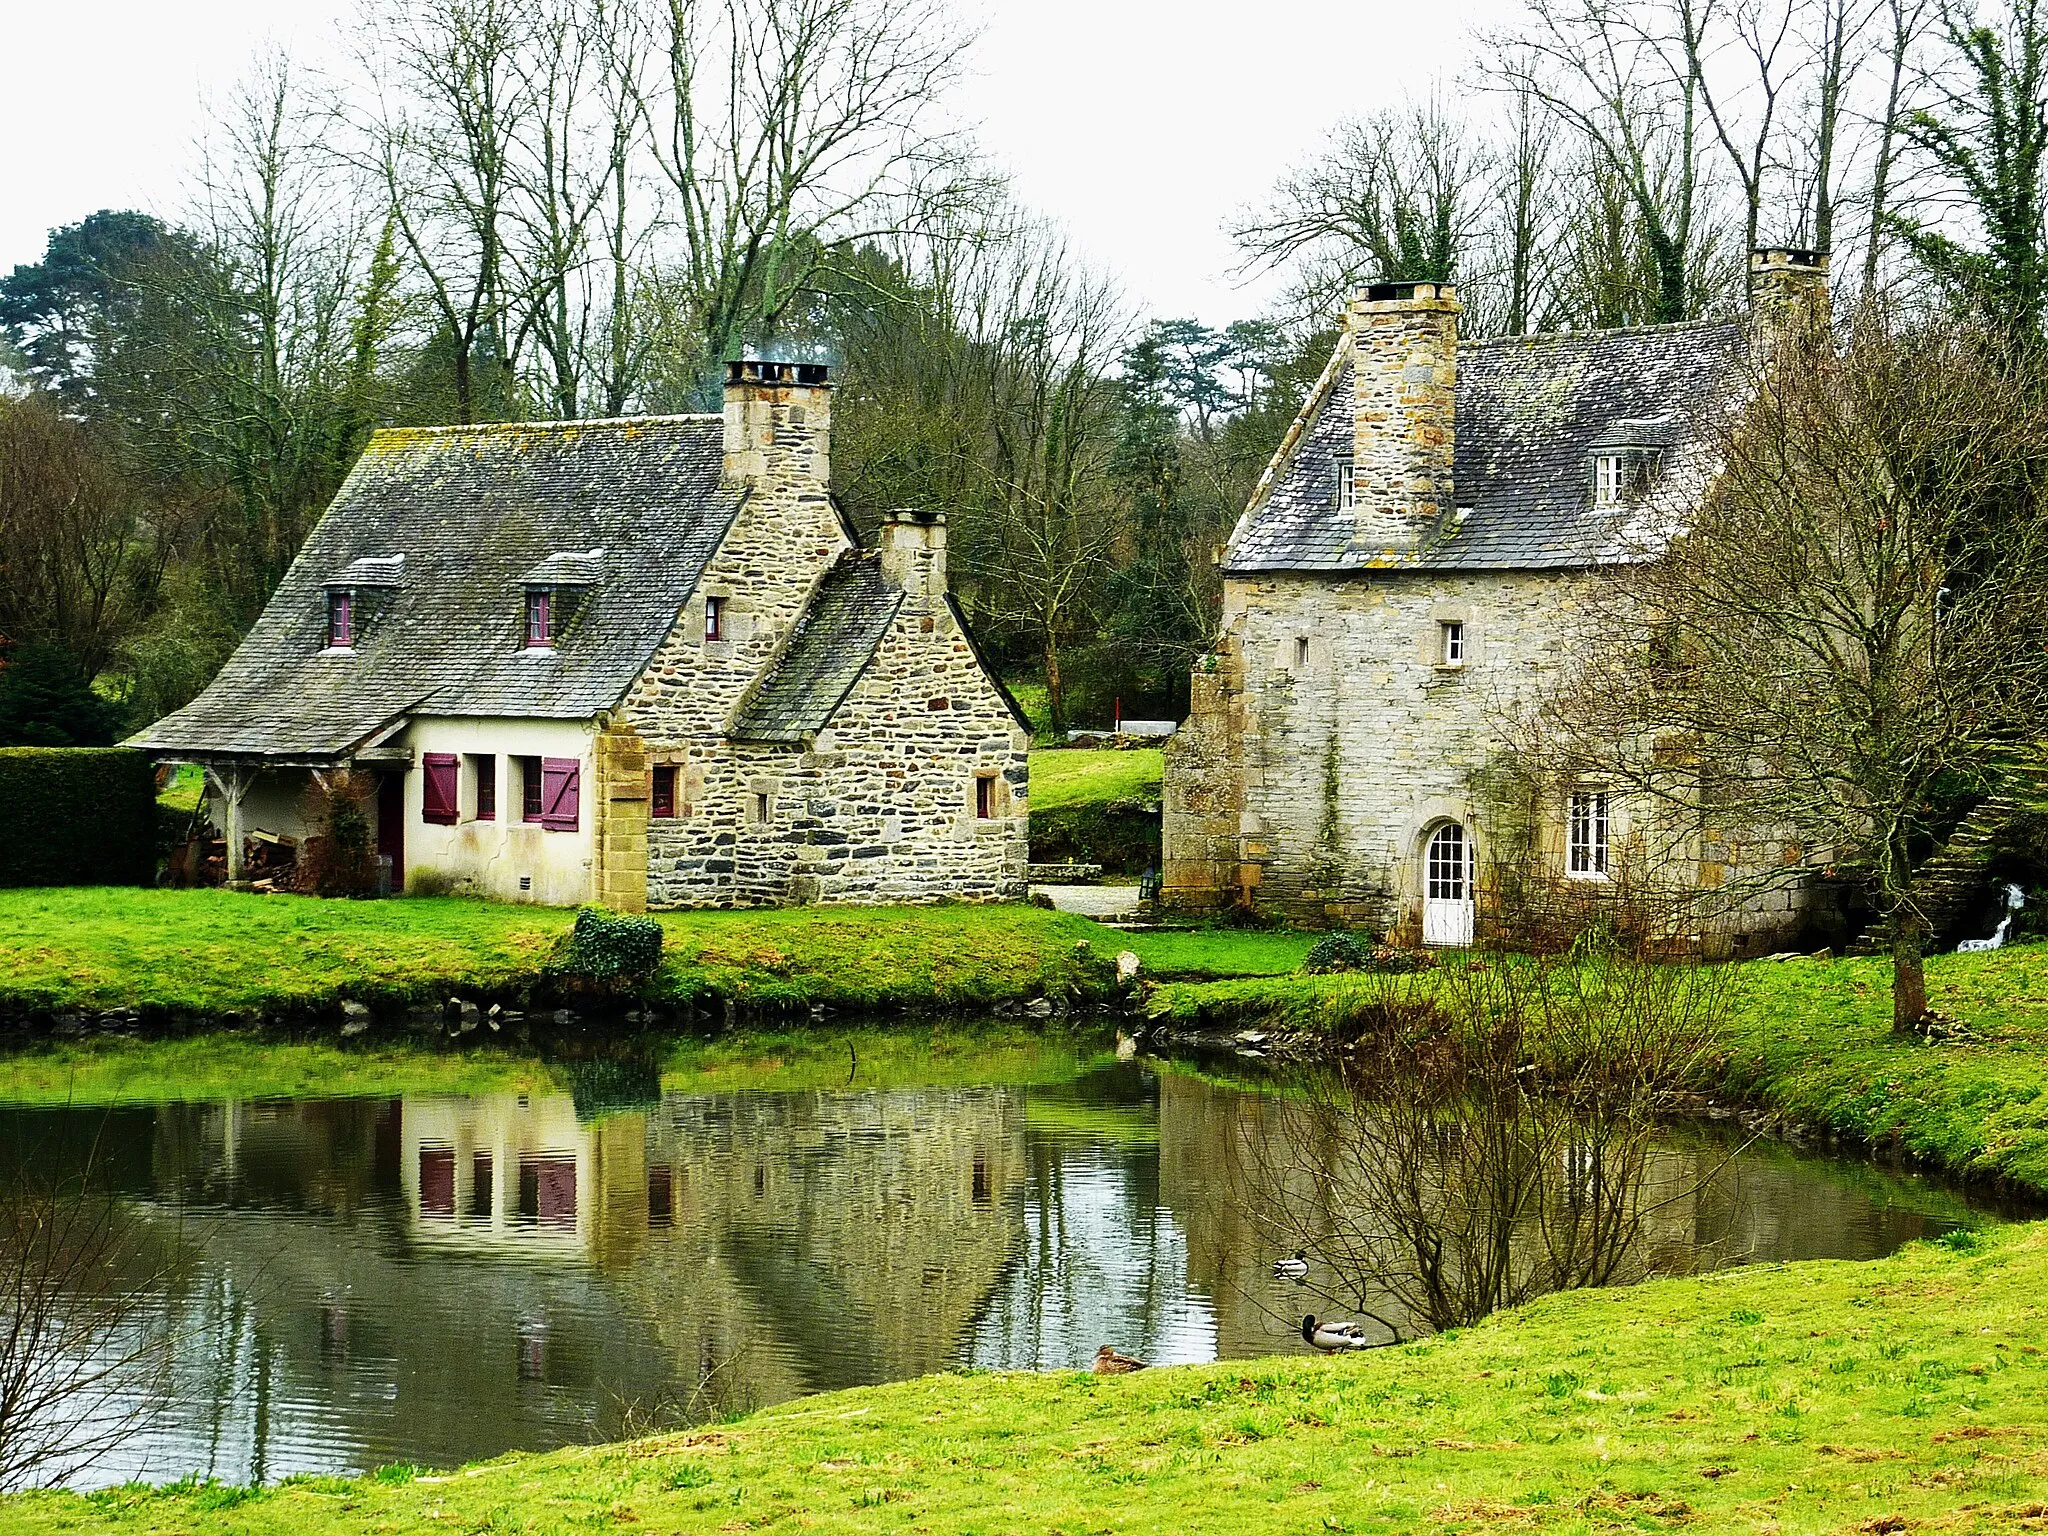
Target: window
x: 540, y: 619
x: 1347, y: 483
x: 529, y: 789
x: 438, y: 792
x: 1608, y: 479
x: 1586, y: 836
x: 1451, y: 651
x: 664, y: 792
x: 714, y: 618
x: 485, y: 770
x: 985, y: 797
x: 341, y: 620
x: 764, y: 807
x: 1301, y: 651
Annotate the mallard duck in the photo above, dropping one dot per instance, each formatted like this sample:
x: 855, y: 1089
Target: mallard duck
x: 1109, y: 1363
x: 1295, y: 1269
x: 1335, y: 1336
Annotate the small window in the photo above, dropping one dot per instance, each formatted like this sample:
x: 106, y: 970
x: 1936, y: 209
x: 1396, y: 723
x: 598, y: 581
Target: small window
x: 1451, y: 652
x: 341, y: 620
x: 985, y: 798
x: 530, y: 789
x: 1609, y: 477
x: 714, y: 618
x: 764, y: 808
x: 540, y: 619
x: 1301, y: 651
x: 485, y: 770
x: 1347, y: 483
x: 663, y: 797
x: 1586, y: 836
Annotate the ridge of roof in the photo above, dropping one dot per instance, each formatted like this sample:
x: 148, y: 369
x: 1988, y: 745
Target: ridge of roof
x: 1531, y: 338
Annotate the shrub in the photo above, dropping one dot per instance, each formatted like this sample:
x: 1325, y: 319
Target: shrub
x: 612, y: 946
x: 340, y: 857
x: 46, y: 700
x: 1335, y: 952
x: 80, y: 816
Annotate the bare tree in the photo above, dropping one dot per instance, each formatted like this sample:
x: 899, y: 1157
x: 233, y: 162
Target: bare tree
x: 1486, y: 1139
x: 82, y: 1352
x: 791, y: 131
x: 1858, y: 613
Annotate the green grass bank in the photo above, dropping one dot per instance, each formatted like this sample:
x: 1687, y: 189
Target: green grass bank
x: 1097, y: 806
x: 1807, y: 1398
x: 223, y: 954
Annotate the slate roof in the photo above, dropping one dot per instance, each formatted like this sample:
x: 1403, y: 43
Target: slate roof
x: 833, y: 644
x: 474, y: 511
x: 1529, y: 410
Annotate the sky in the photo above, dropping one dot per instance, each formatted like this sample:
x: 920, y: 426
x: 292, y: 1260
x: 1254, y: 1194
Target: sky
x: 1138, y: 125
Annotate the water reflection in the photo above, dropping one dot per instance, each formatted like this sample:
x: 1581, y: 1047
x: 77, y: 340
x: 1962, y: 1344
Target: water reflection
x: 436, y: 1279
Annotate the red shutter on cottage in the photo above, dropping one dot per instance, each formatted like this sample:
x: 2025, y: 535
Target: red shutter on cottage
x: 440, y: 802
x: 561, y: 785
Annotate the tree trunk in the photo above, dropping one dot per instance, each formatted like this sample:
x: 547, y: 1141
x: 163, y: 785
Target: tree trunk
x: 1909, y: 972
x: 1055, y: 689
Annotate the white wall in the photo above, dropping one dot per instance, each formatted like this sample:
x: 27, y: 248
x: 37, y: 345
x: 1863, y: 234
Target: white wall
x: 491, y: 858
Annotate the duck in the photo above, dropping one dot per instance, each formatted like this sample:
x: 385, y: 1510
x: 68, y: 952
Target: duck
x: 1331, y: 1337
x: 1295, y: 1269
x: 1110, y: 1363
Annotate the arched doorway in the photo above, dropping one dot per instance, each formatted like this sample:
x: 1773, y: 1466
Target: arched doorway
x: 1447, y: 887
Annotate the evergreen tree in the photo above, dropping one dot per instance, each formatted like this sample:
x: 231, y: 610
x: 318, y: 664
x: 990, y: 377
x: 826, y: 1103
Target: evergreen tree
x: 45, y: 701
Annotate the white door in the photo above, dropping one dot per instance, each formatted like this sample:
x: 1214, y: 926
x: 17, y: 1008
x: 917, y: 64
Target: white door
x: 1447, y: 888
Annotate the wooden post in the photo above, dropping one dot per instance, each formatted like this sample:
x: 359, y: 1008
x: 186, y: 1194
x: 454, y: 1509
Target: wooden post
x: 232, y: 783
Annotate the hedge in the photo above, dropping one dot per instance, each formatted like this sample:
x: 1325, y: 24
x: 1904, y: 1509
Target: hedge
x: 80, y: 816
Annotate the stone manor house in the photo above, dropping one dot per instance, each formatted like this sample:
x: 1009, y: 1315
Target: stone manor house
x: 642, y: 662
x: 1408, y: 567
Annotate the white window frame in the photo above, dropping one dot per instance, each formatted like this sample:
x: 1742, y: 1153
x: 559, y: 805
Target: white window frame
x: 1589, y: 832
x: 1347, y: 483
x: 1610, y: 473
x: 1450, y: 650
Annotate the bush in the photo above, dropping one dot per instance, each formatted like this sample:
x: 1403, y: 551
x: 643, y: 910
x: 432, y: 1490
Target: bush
x: 340, y: 857
x: 611, y: 946
x: 81, y: 816
x: 1335, y: 952
x: 46, y: 700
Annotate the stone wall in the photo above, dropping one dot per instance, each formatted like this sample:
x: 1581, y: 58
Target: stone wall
x: 882, y: 807
x: 1330, y: 740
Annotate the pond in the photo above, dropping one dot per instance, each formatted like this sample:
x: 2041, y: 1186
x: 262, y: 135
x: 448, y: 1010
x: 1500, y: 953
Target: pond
x: 434, y: 1278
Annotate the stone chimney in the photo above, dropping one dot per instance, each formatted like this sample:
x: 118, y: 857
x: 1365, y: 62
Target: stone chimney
x: 1788, y: 296
x: 913, y: 546
x: 778, y: 423
x: 1404, y: 344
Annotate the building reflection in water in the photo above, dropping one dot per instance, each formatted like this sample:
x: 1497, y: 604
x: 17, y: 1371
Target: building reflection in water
x: 436, y: 1279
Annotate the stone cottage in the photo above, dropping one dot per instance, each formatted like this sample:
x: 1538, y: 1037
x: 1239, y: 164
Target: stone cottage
x: 1407, y: 571
x: 643, y: 662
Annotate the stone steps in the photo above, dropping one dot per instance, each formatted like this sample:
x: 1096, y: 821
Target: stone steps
x: 1952, y: 878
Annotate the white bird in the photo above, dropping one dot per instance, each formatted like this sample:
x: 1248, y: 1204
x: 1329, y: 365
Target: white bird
x: 1295, y: 1269
x: 1331, y: 1337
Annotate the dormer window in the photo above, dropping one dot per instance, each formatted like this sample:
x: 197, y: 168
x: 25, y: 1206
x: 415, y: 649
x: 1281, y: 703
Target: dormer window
x: 540, y: 619
x: 341, y: 619
x: 1608, y: 481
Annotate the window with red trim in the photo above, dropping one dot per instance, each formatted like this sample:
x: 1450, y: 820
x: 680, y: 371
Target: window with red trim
x: 438, y: 802
x: 529, y: 788
x: 664, y: 790
x: 341, y: 619
x: 984, y: 798
x: 540, y: 618
x: 714, y: 618
x: 486, y: 787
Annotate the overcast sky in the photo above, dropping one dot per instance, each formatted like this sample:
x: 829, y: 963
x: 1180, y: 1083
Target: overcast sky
x: 1138, y: 124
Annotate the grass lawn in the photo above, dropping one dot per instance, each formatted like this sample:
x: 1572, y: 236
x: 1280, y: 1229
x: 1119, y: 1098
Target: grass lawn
x: 220, y: 952
x: 1190, y: 953
x: 1062, y: 777
x: 1812, y: 1039
x: 1816, y: 1397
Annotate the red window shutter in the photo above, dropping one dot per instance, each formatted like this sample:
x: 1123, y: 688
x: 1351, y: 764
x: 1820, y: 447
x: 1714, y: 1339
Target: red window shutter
x: 561, y: 785
x: 440, y: 801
